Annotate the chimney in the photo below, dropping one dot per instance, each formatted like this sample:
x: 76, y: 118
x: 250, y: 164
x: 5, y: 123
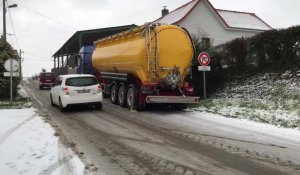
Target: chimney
x: 164, y: 11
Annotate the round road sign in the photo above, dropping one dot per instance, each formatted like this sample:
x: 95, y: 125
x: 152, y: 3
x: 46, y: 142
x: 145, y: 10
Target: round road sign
x: 15, y: 65
x: 204, y: 59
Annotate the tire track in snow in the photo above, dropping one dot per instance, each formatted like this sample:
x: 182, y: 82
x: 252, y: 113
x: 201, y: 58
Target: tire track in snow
x: 4, y: 136
x: 50, y: 169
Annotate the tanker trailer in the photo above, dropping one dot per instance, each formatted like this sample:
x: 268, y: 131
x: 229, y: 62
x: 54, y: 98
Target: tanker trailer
x: 147, y: 64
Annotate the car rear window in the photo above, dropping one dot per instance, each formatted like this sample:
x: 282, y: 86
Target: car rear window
x: 47, y: 75
x: 81, y: 81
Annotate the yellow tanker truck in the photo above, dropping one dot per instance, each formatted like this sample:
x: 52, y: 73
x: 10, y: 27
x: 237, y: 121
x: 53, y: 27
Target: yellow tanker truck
x: 147, y: 64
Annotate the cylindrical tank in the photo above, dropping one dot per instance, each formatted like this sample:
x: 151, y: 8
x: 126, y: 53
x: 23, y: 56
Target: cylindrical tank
x: 157, y: 54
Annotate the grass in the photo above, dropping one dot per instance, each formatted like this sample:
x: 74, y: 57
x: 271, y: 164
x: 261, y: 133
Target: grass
x: 18, y: 103
x: 275, y: 102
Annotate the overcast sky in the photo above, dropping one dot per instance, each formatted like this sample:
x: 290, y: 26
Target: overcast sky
x: 42, y: 26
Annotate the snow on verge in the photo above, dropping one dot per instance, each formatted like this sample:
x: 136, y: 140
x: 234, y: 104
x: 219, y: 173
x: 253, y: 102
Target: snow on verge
x: 22, y: 92
x: 272, y: 98
x: 28, y: 146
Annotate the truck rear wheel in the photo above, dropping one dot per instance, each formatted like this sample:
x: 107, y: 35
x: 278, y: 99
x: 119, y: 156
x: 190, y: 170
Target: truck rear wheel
x: 132, y: 99
x: 122, y: 96
x: 179, y: 107
x: 114, y: 94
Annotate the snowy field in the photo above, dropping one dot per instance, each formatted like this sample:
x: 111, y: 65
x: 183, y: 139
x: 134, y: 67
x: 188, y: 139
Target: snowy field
x: 271, y: 98
x: 28, y: 145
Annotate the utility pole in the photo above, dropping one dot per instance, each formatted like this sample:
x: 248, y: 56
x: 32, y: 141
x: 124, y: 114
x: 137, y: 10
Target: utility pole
x: 4, y: 21
x: 20, y: 64
x: 4, y: 37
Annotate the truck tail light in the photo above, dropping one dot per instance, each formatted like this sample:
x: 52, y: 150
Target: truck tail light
x: 99, y: 88
x: 66, y: 90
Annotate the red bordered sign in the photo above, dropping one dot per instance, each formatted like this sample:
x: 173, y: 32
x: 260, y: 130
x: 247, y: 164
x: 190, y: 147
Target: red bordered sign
x: 204, y: 59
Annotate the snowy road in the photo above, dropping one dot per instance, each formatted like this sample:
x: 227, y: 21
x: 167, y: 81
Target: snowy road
x: 117, y: 141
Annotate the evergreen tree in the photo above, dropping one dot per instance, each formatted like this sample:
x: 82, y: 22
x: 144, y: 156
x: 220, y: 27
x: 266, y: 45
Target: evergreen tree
x: 7, y: 52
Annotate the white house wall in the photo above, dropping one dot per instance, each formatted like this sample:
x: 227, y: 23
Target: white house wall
x: 203, y: 21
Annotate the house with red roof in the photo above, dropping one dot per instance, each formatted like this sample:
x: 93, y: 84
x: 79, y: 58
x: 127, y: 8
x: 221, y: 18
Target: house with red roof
x: 213, y: 25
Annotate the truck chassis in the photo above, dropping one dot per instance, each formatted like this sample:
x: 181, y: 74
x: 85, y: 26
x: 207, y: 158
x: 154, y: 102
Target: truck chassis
x: 128, y: 91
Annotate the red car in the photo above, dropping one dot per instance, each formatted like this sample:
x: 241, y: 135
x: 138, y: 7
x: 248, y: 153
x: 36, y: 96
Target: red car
x: 46, y: 79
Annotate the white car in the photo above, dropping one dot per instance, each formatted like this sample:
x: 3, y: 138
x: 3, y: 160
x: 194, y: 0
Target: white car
x: 76, y: 89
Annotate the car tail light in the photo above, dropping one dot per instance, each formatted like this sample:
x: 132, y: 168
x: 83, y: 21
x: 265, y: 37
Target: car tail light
x: 99, y: 88
x: 186, y: 84
x: 66, y: 90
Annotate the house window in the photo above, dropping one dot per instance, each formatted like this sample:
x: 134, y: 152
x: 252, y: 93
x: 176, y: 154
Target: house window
x: 205, y: 43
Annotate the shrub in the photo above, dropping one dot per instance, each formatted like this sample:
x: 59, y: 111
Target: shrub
x: 6, y: 52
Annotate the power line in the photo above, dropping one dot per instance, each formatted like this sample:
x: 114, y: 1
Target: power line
x: 42, y: 38
x: 36, y: 55
x: 34, y: 37
x: 47, y: 17
x: 32, y: 59
x: 14, y: 31
x: 8, y: 34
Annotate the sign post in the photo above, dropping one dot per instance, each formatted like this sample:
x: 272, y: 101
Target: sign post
x: 204, y: 60
x: 11, y: 66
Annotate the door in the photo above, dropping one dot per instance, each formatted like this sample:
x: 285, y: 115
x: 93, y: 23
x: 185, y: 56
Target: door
x: 55, y: 90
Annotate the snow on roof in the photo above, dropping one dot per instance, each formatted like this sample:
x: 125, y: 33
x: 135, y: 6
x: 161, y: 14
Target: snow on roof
x: 243, y: 20
x: 177, y: 14
x: 231, y: 19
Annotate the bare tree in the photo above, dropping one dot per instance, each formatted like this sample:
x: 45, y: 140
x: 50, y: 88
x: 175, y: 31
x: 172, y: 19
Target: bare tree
x: 201, y: 41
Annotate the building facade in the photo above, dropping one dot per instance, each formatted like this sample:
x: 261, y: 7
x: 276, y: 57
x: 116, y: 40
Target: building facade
x: 213, y: 25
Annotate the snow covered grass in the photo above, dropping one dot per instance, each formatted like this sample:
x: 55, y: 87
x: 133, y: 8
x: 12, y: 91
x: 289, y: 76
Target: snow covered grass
x: 271, y: 98
x: 21, y: 101
x: 28, y: 145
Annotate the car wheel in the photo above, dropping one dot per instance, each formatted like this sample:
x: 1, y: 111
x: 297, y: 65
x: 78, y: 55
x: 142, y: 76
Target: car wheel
x: 114, y: 94
x: 41, y: 87
x: 51, y: 100
x: 122, y: 96
x: 61, y: 108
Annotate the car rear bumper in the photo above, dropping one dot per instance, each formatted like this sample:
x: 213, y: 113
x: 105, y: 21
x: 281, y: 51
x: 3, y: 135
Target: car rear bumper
x: 71, y: 101
x: 83, y: 104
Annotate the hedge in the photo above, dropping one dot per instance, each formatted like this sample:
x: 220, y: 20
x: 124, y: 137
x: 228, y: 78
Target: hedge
x: 6, y: 52
x: 274, y: 50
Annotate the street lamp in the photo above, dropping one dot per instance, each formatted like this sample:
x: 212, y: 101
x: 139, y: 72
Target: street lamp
x: 4, y: 17
x: 12, y: 6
